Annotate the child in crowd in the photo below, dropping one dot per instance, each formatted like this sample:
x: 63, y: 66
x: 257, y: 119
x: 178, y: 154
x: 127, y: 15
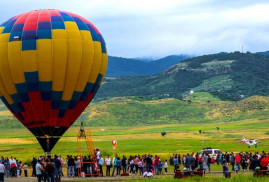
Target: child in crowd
x: 160, y: 166
x: 25, y: 168
x: 165, y: 166
x: 236, y: 168
x: 225, y: 169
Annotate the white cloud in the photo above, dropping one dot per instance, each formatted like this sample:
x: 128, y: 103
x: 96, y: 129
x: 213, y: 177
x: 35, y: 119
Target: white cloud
x: 163, y: 27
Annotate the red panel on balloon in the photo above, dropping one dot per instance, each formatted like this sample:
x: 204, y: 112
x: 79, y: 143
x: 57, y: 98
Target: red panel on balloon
x: 54, y: 117
x: 22, y: 18
x: 47, y: 112
x: 44, y: 16
x: 35, y: 98
x: 29, y: 110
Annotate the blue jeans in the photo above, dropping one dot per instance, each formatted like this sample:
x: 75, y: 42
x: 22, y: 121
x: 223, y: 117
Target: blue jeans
x: 45, y: 175
x: 2, y: 176
x: 71, y: 170
x: 61, y: 171
x: 141, y: 169
x: 124, y: 169
x: 39, y: 177
x: 208, y: 166
x: 51, y: 178
x: 114, y: 168
x: 7, y: 173
x: 57, y: 172
x: 148, y: 167
x: 156, y: 167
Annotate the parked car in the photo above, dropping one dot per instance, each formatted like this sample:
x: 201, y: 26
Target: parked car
x: 212, y: 152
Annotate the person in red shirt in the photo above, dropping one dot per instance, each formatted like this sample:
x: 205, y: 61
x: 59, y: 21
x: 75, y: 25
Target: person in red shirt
x: 238, y: 160
x: 264, y: 163
x: 200, y: 160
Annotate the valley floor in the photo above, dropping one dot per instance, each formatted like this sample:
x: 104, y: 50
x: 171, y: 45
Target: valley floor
x: 180, y: 138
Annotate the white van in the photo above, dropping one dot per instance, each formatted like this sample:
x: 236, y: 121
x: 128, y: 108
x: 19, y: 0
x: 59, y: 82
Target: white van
x: 212, y: 152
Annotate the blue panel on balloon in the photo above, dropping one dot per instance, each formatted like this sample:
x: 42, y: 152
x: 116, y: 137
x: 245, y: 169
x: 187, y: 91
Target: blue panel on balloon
x: 28, y: 45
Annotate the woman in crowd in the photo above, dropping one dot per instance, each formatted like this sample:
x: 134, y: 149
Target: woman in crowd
x: 118, y: 165
x: 7, y: 166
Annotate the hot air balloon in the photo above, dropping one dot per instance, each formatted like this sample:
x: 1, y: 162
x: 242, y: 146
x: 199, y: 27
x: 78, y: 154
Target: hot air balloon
x: 52, y: 63
x: 114, y: 143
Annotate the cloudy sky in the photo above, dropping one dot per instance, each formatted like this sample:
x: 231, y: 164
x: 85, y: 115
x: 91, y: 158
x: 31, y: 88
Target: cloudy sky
x: 157, y: 28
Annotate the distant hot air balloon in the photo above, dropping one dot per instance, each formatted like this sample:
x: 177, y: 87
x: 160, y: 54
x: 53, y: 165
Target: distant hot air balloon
x: 51, y: 65
x: 114, y: 143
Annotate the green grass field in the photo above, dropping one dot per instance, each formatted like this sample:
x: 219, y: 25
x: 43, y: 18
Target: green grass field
x: 180, y: 138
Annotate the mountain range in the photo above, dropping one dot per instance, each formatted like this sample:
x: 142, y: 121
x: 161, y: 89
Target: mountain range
x: 118, y: 66
x: 230, y: 76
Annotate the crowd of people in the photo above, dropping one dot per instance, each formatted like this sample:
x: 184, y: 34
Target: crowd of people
x: 49, y: 168
x: 239, y: 161
x: 134, y: 165
x: 12, y: 167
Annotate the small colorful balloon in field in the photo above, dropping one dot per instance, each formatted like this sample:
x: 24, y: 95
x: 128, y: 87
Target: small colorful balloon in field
x: 114, y: 143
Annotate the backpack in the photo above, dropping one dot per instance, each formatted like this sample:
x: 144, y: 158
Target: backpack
x: 115, y: 161
x: 118, y: 163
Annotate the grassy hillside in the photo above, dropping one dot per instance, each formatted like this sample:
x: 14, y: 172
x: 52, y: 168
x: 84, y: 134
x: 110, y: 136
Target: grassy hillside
x: 196, y: 108
x: 231, y: 76
x: 200, y: 107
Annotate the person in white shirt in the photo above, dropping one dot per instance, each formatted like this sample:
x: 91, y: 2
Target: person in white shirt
x: 165, y: 166
x: 2, y: 171
x: 98, y: 153
x: 12, y: 161
x: 108, y: 165
x: 39, y: 170
x: 13, y: 166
